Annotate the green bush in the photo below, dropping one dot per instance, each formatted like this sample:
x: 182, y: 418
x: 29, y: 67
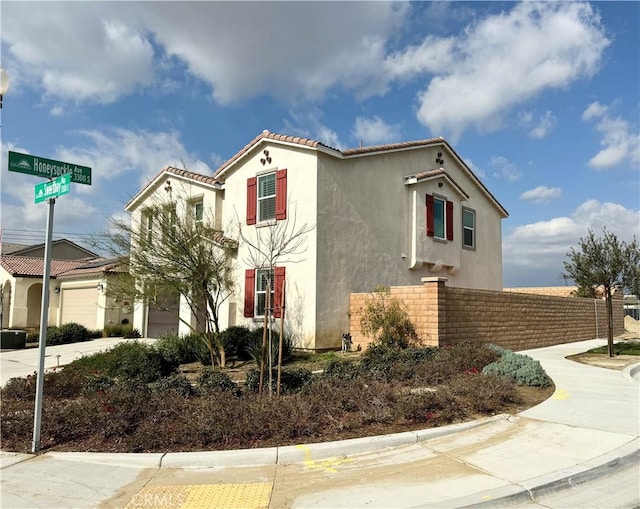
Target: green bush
x: 292, y: 380
x: 67, y: 333
x: 116, y: 330
x: 181, y: 349
x: 522, y: 369
x: 342, y: 369
x: 236, y: 339
x: 386, y: 320
x: 254, y: 347
x: 175, y: 383
x: 137, y: 361
x: 132, y: 334
x: 213, y: 380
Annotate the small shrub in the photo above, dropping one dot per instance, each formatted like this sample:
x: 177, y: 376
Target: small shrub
x: 342, y: 369
x: 33, y: 337
x: 175, y: 383
x: 254, y: 347
x: 236, y: 339
x: 135, y: 360
x: 74, y: 332
x: 386, y: 320
x: 54, y: 336
x: 522, y: 369
x: 20, y: 388
x: 292, y: 380
x: 116, y: 330
x: 132, y: 334
x: 181, y: 349
x: 212, y: 380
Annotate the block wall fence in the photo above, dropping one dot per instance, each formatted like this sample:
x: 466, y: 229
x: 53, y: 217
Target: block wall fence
x: 517, y: 319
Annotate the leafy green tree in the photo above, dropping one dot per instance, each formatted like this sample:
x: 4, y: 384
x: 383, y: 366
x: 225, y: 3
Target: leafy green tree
x: 607, y: 263
x: 168, y: 254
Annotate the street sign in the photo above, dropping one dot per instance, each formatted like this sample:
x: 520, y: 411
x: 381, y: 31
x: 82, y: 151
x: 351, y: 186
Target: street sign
x: 48, y: 168
x: 53, y: 189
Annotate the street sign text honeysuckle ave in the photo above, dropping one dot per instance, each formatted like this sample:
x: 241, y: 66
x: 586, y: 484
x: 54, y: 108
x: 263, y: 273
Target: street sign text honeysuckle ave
x: 48, y: 168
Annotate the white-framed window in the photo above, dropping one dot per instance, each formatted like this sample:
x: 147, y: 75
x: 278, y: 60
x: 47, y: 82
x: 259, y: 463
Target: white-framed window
x: 439, y: 217
x: 198, y: 211
x: 169, y: 218
x: 266, y: 197
x: 468, y: 228
x: 263, y: 276
x: 147, y: 226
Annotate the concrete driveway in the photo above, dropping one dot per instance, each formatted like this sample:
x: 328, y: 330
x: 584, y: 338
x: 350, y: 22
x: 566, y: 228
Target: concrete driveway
x: 15, y: 363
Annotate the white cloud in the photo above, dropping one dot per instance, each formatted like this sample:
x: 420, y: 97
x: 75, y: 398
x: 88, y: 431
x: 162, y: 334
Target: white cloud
x: 309, y: 124
x: 507, y: 59
x: 91, y: 55
x: 505, y: 169
x: 620, y: 145
x: 543, y: 125
x: 534, y: 253
x: 142, y: 154
x: 541, y: 194
x: 374, y: 130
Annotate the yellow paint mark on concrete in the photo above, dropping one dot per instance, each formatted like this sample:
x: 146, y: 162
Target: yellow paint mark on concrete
x: 561, y: 394
x: 203, y: 496
x: 486, y: 497
x: 328, y: 465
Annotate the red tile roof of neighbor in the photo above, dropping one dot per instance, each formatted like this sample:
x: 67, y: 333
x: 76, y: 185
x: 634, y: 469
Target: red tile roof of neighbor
x: 30, y: 266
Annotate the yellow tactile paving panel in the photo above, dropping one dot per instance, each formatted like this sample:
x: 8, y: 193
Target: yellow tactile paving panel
x: 203, y: 496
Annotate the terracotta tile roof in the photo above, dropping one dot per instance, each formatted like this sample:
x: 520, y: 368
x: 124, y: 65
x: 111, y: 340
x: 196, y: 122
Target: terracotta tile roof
x: 189, y: 175
x: 435, y: 173
x: 30, y: 266
x: 392, y: 146
x: 285, y: 138
x: 96, y: 267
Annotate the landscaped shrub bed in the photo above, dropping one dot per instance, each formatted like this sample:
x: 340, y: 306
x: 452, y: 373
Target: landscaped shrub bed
x: 136, y: 400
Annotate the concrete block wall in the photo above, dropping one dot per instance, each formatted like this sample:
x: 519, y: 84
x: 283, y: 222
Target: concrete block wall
x: 518, y: 321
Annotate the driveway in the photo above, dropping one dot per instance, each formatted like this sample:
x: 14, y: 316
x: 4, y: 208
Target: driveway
x: 15, y: 363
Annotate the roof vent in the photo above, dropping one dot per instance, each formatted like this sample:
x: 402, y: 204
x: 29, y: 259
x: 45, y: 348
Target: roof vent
x: 266, y: 131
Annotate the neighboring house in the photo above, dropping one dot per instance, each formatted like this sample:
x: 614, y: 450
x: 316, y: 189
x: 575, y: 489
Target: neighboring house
x: 76, y: 288
x: 382, y: 215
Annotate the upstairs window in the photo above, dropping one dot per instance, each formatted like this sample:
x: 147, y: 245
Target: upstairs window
x: 198, y: 211
x: 439, y: 217
x: 147, y: 227
x: 267, y: 197
x: 468, y: 228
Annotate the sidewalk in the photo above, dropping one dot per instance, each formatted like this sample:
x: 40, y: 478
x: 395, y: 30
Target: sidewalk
x: 589, y: 427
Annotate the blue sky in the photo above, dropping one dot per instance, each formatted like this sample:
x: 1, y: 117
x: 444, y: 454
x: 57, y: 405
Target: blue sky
x: 542, y: 100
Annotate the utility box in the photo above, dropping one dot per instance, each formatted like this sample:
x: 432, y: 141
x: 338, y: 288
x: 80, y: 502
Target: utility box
x: 12, y: 339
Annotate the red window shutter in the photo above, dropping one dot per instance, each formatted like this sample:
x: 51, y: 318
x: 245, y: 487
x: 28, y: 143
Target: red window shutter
x: 430, y: 225
x: 449, y: 220
x: 278, y: 297
x: 281, y: 194
x: 249, y: 292
x: 252, y: 199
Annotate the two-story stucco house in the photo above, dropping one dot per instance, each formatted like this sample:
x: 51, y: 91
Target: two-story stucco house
x: 381, y: 215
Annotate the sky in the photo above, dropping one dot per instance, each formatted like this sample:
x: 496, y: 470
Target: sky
x: 541, y: 100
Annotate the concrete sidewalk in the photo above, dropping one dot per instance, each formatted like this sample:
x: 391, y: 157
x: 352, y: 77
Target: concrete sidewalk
x: 588, y: 428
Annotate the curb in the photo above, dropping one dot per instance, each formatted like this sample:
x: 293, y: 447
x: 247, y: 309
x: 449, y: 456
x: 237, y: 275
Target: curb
x: 283, y: 455
x: 632, y: 372
x: 527, y: 491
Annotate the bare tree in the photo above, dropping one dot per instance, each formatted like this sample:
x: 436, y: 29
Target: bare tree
x: 169, y: 255
x: 607, y: 263
x: 270, y: 245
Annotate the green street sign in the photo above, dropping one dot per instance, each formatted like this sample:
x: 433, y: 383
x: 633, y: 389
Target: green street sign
x: 48, y: 168
x: 53, y: 189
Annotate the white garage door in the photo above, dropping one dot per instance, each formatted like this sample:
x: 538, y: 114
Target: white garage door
x: 80, y: 305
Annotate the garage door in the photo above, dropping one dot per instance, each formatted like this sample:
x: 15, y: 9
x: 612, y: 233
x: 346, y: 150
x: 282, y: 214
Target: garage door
x: 80, y: 305
x: 163, y: 322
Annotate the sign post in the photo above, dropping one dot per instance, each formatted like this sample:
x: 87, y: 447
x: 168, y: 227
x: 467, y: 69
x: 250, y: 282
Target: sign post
x: 60, y: 175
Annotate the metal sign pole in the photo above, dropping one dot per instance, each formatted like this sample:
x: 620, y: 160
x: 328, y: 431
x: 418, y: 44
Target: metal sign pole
x: 44, y: 322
